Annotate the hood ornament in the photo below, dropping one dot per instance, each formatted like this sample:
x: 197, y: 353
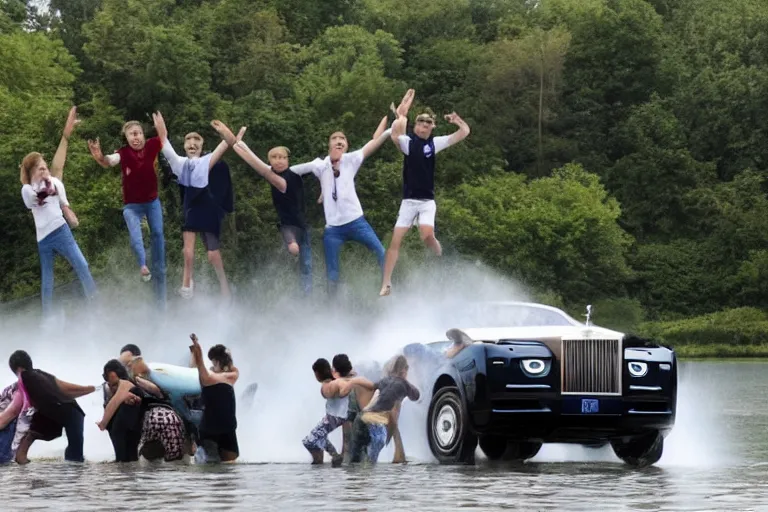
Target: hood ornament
x: 588, y: 315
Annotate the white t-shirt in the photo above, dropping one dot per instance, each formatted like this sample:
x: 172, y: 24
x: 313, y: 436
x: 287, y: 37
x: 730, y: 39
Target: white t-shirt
x: 198, y: 167
x: 441, y: 143
x: 346, y: 207
x: 48, y: 216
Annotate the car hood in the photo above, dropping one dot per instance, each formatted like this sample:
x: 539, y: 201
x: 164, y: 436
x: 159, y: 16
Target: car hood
x: 541, y: 332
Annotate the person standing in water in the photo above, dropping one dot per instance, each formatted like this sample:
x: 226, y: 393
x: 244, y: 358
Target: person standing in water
x: 218, y: 428
x: 140, y: 196
x: 389, y: 391
x: 199, y: 177
x: 44, y: 194
x: 336, y: 393
x: 344, y: 219
x: 287, y: 188
x: 55, y: 406
x: 418, y: 206
x: 14, y: 423
x: 123, y: 412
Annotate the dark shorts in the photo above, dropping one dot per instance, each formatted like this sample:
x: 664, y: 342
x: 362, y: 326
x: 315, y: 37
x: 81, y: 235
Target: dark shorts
x: 225, y: 442
x: 45, y: 428
x: 292, y: 234
x: 210, y: 241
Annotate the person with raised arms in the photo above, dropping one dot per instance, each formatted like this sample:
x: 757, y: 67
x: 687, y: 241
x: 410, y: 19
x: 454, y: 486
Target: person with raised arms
x: 418, y: 206
x: 344, y: 219
x: 44, y: 194
x: 140, y: 196
x: 287, y: 190
x: 218, y: 428
x: 199, y: 177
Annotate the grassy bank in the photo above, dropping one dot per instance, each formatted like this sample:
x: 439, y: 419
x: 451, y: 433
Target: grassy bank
x: 733, y: 333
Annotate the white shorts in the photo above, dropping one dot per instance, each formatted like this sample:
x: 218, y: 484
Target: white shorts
x: 416, y: 212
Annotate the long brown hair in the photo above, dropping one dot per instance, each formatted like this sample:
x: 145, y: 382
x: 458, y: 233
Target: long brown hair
x: 27, y: 166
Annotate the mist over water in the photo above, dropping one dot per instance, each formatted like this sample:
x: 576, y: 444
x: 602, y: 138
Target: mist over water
x: 275, y: 336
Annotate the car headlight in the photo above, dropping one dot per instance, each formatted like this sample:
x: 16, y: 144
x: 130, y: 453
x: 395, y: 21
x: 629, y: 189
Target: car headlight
x: 534, y: 367
x: 637, y: 368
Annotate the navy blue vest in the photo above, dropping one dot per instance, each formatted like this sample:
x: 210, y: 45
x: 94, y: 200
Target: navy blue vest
x: 419, y: 169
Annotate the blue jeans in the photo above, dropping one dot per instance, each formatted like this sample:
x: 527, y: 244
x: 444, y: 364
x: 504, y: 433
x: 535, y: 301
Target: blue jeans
x: 334, y: 237
x: 153, y: 211
x: 74, y: 430
x: 61, y: 241
x: 305, y: 262
x: 378, y: 434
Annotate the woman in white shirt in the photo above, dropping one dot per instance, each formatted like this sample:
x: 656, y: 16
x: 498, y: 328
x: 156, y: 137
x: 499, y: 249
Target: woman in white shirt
x: 45, y: 196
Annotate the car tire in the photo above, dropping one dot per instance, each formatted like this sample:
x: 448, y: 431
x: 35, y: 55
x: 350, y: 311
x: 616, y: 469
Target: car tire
x: 500, y: 448
x: 522, y: 451
x: 448, y: 429
x: 640, y: 452
x: 494, y: 447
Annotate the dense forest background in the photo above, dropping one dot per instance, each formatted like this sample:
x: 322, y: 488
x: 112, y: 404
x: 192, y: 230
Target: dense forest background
x: 617, y: 153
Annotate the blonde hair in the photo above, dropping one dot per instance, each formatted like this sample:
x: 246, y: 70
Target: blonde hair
x: 395, y: 366
x: 127, y: 125
x: 279, y: 149
x: 28, y: 164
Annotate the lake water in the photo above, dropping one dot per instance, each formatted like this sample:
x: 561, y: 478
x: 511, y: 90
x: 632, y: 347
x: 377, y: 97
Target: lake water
x: 715, y: 459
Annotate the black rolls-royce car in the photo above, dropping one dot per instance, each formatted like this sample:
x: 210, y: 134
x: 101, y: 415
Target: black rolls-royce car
x: 546, y: 379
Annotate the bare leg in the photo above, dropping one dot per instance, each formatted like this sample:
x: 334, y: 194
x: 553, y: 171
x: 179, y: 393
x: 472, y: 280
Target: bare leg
x: 21, y: 453
x: 428, y: 236
x: 189, y: 238
x: 214, y: 257
x: 317, y: 456
x: 394, y: 432
x: 391, y: 259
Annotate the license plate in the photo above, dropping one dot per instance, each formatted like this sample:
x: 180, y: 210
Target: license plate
x: 589, y: 406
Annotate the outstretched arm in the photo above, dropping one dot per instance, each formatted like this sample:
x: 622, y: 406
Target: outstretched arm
x: 262, y: 168
x: 160, y: 128
x: 381, y: 134
x: 94, y: 146
x: 209, y: 378
x: 73, y: 390
x: 458, y: 135
x: 401, y: 123
x: 57, y: 164
x: 121, y: 395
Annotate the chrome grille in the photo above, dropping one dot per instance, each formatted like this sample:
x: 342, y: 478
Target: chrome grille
x: 591, y: 367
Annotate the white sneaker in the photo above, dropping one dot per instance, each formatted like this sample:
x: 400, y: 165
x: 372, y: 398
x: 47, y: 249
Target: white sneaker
x: 187, y: 292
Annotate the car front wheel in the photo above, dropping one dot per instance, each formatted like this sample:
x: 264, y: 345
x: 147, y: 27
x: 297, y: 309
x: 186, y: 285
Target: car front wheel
x: 641, y: 451
x: 448, y: 431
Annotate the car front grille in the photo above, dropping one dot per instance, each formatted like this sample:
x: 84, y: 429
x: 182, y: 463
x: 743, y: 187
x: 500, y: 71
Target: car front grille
x: 591, y: 367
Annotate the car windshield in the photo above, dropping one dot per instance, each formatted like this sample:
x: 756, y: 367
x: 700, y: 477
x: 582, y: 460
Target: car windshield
x: 512, y: 315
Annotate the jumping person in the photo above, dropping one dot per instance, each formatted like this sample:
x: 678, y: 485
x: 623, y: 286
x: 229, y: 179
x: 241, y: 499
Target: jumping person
x: 287, y: 188
x: 44, y: 194
x: 336, y: 393
x: 140, y: 196
x: 218, y: 428
x: 55, y: 406
x: 389, y: 392
x: 418, y: 205
x: 199, y: 176
x: 344, y: 220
